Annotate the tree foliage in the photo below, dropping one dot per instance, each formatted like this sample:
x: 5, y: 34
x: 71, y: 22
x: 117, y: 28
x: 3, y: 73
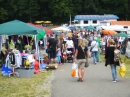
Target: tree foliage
x: 59, y: 10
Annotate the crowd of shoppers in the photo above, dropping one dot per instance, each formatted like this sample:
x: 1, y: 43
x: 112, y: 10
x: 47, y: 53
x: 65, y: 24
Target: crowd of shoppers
x: 84, y: 45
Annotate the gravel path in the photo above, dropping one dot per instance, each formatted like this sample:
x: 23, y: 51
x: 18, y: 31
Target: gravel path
x: 97, y: 83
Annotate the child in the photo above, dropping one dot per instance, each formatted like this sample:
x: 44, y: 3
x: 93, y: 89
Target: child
x: 58, y: 55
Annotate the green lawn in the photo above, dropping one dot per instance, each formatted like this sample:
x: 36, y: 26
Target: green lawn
x: 127, y: 65
x: 23, y: 87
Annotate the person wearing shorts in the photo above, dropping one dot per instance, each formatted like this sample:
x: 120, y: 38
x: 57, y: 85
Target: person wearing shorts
x: 52, y: 46
x: 81, y: 55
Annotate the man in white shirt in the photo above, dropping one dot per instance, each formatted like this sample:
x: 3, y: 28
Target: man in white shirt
x: 94, y: 47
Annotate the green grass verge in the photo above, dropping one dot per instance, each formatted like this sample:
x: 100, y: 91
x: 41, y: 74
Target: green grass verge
x: 24, y: 87
x: 127, y: 65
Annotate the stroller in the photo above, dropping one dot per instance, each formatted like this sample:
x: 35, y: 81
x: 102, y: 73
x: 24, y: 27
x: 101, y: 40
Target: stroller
x: 69, y: 55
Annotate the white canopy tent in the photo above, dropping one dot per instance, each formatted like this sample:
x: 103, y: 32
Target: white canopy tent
x: 113, y: 27
x: 61, y: 29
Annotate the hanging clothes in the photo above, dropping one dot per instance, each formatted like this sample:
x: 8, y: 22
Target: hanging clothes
x: 13, y: 58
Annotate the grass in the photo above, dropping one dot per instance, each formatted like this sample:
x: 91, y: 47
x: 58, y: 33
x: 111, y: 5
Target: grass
x: 24, y: 87
x: 127, y: 64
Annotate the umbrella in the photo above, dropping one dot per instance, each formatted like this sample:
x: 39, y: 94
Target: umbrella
x: 71, y: 28
x: 61, y: 29
x: 39, y: 22
x: 109, y: 32
x: 17, y: 27
x: 38, y: 26
x: 41, y: 34
x: 121, y: 35
x: 90, y: 27
x: 47, y: 22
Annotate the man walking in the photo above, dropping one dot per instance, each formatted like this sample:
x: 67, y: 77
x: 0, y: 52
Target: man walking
x: 99, y: 45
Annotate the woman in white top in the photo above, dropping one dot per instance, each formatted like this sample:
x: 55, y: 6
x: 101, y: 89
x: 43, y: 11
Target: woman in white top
x: 70, y: 44
x: 94, y: 47
x: 127, y: 53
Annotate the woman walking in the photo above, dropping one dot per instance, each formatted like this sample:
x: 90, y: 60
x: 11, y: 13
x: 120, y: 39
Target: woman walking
x: 109, y: 56
x: 81, y: 55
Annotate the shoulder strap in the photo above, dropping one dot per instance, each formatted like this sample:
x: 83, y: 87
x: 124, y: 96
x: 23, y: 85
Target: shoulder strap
x: 94, y: 45
x: 83, y: 52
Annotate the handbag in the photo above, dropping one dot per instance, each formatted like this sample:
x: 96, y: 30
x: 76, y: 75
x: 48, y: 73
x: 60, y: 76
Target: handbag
x: 92, y: 47
x: 48, y: 50
x: 86, y: 63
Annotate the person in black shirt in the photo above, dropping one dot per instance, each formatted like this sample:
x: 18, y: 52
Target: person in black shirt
x: 109, y: 57
x: 81, y: 55
x: 52, y: 42
x: 75, y: 40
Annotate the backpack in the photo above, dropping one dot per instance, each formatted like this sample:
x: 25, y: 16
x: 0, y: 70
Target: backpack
x: 117, y: 55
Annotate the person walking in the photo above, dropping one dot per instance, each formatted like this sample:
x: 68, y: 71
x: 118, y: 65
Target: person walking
x: 85, y: 40
x: 109, y: 57
x: 99, y: 48
x: 80, y: 57
x: 127, y: 53
x: 94, y: 47
x: 89, y: 47
x: 75, y: 40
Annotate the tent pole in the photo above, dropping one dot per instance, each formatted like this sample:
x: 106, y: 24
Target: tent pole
x: 35, y: 42
x: 37, y: 51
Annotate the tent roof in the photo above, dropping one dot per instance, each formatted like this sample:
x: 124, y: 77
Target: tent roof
x: 17, y: 27
x: 48, y: 31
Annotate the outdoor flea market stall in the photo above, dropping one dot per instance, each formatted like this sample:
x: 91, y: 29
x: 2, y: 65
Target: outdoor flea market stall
x: 19, y: 49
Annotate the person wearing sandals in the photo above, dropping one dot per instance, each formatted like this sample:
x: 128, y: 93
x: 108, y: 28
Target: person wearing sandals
x: 80, y: 58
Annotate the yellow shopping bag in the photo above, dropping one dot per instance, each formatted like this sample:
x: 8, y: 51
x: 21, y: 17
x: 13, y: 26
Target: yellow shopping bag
x: 122, y: 70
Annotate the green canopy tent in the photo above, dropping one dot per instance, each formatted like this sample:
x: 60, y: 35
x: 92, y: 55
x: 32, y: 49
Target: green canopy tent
x: 90, y: 27
x: 121, y: 35
x: 17, y: 27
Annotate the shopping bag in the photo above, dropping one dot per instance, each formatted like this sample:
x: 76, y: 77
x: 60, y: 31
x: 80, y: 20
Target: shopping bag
x: 122, y: 70
x: 74, y: 71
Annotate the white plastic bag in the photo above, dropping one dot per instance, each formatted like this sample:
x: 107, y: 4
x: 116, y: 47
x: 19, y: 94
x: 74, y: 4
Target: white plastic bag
x: 74, y: 71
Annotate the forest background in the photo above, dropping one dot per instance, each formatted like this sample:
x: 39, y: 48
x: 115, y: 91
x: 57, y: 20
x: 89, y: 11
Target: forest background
x: 59, y: 11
